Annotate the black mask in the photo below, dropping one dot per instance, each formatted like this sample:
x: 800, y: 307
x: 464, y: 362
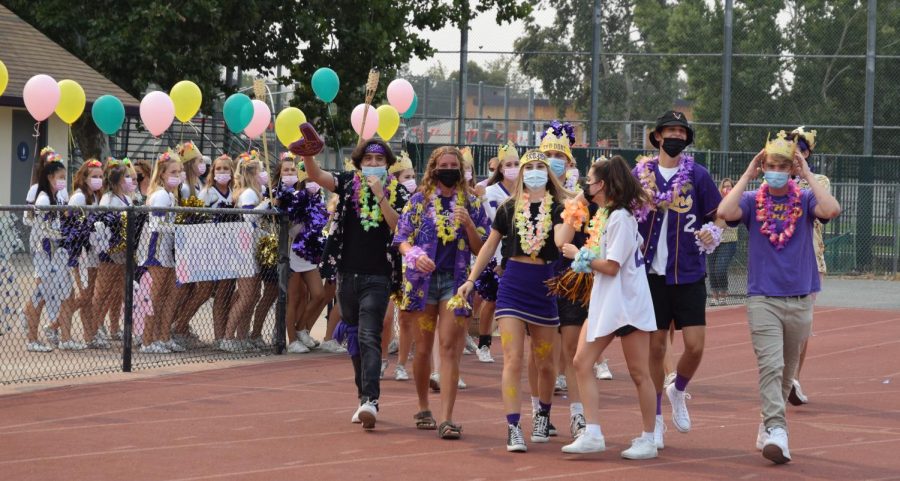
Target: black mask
x: 140, y: 178
x: 448, y: 177
x: 673, y: 146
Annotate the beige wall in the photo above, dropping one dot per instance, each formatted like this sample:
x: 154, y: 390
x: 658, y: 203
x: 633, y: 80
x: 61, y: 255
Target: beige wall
x: 58, y: 137
x: 6, y: 153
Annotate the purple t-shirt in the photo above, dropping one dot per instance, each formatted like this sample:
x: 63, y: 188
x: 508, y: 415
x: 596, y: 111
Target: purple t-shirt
x: 446, y: 253
x: 792, y: 271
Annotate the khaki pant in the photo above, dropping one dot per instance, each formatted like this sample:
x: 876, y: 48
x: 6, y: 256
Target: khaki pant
x: 778, y: 327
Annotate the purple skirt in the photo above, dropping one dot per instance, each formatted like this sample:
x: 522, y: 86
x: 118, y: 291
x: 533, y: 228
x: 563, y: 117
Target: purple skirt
x: 523, y: 295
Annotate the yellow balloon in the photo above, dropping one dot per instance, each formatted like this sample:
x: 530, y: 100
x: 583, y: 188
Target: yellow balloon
x: 187, y: 99
x: 4, y: 77
x: 388, y: 121
x: 71, y: 101
x: 287, y: 125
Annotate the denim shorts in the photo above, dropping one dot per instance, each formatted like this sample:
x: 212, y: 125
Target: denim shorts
x: 441, y: 287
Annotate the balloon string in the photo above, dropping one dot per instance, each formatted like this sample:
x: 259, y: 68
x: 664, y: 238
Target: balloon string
x: 337, y: 145
x: 37, y: 137
x: 197, y: 130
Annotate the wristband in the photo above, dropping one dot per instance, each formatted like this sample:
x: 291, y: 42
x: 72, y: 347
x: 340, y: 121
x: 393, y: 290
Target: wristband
x: 582, y: 261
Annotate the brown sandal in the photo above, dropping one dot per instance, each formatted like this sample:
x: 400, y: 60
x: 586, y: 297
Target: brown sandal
x: 448, y: 430
x: 424, y: 420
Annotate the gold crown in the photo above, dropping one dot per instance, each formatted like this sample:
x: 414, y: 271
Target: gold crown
x: 506, y: 149
x: 403, y: 163
x: 188, y: 151
x: 533, y: 156
x: 551, y: 142
x: 809, y: 137
x: 348, y: 164
x: 780, y: 146
x: 468, y: 159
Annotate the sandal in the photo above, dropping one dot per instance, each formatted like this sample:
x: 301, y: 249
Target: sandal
x: 424, y: 420
x: 448, y: 430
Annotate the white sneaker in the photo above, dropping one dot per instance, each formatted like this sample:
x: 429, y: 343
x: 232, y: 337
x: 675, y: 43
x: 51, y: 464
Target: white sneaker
x: 332, y: 346
x: 484, y: 354
x: 602, y: 372
x: 368, y: 412
x: 174, y: 346
x: 72, y: 346
x: 680, y: 417
x: 355, y: 418
x: 434, y: 382
x: 796, y: 396
x: 400, y: 373
x: 52, y: 335
x: 659, y: 432
x: 297, y: 347
x: 384, y: 366
x: 37, y: 346
x: 670, y: 378
x: 156, y: 347
x: 560, y: 384
x: 471, y: 346
x: 775, y: 448
x: 641, y: 448
x: 307, y: 340
x: 460, y: 384
x: 99, y: 343
x: 230, y: 345
x: 585, y: 444
x: 761, y: 436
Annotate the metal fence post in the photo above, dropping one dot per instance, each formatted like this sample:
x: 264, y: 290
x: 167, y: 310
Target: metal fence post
x: 424, y: 138
x: 595, y: 72
x: 283, y: 277
x: 726, y: 77
x: 129, y: 289
x: 896, y: 228
x: 480, y: 112
x: 531, y: 117
x: 505, y: 115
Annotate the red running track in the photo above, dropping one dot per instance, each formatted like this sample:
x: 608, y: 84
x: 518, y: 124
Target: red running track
x: 289, y: 419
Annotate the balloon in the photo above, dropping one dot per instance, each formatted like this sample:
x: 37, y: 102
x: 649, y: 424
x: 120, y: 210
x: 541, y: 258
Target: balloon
x: 71, y: 101
x: 287, y: 125
x: 187, y: 98
x: 388, y: 121
x: 109, y: 114
x: 260, y: 121
x: 238, y: 112
x: 157, y: 112
x: 356, y: 118
x: 4, y: 77
x: 325, y: 83
x: 400, y: 94
x: 41, y: 94
x: 412, y: 108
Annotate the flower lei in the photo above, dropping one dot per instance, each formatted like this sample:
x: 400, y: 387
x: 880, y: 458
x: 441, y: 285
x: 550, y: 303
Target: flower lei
x: 716, y: 233
x: 308, y: 209
x: 533, y: 235
x: 591, y: 249
x: 369, y: 215
x: 447, y: 224
x: 661, y: 200
x: 765, y: 213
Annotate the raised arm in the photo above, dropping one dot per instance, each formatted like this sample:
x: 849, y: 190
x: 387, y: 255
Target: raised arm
x: 319, y: 176
x: 730, y: 207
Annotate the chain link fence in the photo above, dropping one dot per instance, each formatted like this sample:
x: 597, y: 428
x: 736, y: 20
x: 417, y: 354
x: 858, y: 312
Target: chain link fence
x: 81, y: 294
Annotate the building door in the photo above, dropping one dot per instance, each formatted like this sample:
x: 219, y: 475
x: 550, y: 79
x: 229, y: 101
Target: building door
x: 23, y: 154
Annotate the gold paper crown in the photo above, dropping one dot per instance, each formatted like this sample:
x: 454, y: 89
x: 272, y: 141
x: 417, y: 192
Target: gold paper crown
x: 506, y: 149
x: 348, y: 164
x: 169, y: 154
x: 551, y: 142
x: 403, y: 162
x: 468, y: 159
x: 809, y: 137
x: 780, y: 146
x: 246, y: 157
x: 533, y: 156
x: 188, y: 151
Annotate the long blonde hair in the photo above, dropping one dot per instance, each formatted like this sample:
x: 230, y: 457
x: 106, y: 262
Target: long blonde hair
x: 248, y: 167
x: 211, y: 175
x: 162, y: 165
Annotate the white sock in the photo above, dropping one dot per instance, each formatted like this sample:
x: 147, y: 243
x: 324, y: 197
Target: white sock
x: 647, y: 436
x: 593, y: 430
x: 535, y: 404
x: 576, y: 408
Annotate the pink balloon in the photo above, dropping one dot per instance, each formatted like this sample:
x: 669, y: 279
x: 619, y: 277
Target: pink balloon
x: 400, y: 95
x: 157, y: 112
x: 356, y: 118
x: 41, y: 94
x: 262, y: 116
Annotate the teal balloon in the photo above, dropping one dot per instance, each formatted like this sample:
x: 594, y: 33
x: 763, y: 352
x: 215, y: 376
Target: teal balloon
x: 325, y: 83
x: 108, y: 114
x: 412, y: 108
x: 238, y: 111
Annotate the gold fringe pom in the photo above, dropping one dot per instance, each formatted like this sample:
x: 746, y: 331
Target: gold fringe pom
x: 190, y: 217
x: 267, y: 251
x: 571, y: 285
x: 458, y: 302
x: 123, y: 232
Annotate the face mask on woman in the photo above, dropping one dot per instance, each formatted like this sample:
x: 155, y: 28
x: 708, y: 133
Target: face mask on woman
x: 95, y: 184
x: 535, y: 179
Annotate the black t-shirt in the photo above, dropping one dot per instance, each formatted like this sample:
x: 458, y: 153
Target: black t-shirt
x: 364, y: 250
x: 505, y: 225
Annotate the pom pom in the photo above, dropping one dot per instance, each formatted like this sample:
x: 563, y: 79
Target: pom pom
x: 571, y: 285
x: 458, y: 302
x: 267, y: 251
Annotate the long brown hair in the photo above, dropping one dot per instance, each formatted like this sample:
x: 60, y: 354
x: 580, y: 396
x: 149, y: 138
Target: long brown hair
x: 622, y: 189
x: 429, y: 182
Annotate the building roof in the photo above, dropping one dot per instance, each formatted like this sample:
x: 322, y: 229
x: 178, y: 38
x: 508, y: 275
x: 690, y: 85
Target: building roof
x: 28, y: 52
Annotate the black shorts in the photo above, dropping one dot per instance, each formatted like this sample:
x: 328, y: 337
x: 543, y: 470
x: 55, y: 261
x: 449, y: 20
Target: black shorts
x: 683, y: 304
x: 625, y: 330
x: 570, y: 313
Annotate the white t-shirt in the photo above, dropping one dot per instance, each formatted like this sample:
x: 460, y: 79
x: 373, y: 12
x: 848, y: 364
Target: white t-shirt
x: 62, y: 196
x: 623, y: 299
x: 494, y: 196
x: 658, y: 266
x: 79, y: 199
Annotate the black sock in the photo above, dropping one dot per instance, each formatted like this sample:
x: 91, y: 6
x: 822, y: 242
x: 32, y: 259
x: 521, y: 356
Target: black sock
x: 484, y: 341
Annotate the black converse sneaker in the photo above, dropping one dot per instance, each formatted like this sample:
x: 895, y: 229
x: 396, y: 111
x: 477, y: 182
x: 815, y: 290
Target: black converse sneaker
x: 540, y: 430
x: 515, y: 440
x: 577, y: 425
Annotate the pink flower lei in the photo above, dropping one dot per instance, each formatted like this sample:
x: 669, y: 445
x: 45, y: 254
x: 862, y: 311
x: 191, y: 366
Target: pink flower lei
x: 647, y: 178
x: 765, y: 214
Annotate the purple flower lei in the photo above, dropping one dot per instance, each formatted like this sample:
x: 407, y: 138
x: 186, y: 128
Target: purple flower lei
x: 647, y: 178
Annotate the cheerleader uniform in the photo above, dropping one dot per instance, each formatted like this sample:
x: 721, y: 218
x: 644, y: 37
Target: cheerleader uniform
x: 89, y: 258
x: 110, y: 200
x: 299, y: 264
x: 486, y: 285
x: 49, y: 260
x: 157, y: 244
